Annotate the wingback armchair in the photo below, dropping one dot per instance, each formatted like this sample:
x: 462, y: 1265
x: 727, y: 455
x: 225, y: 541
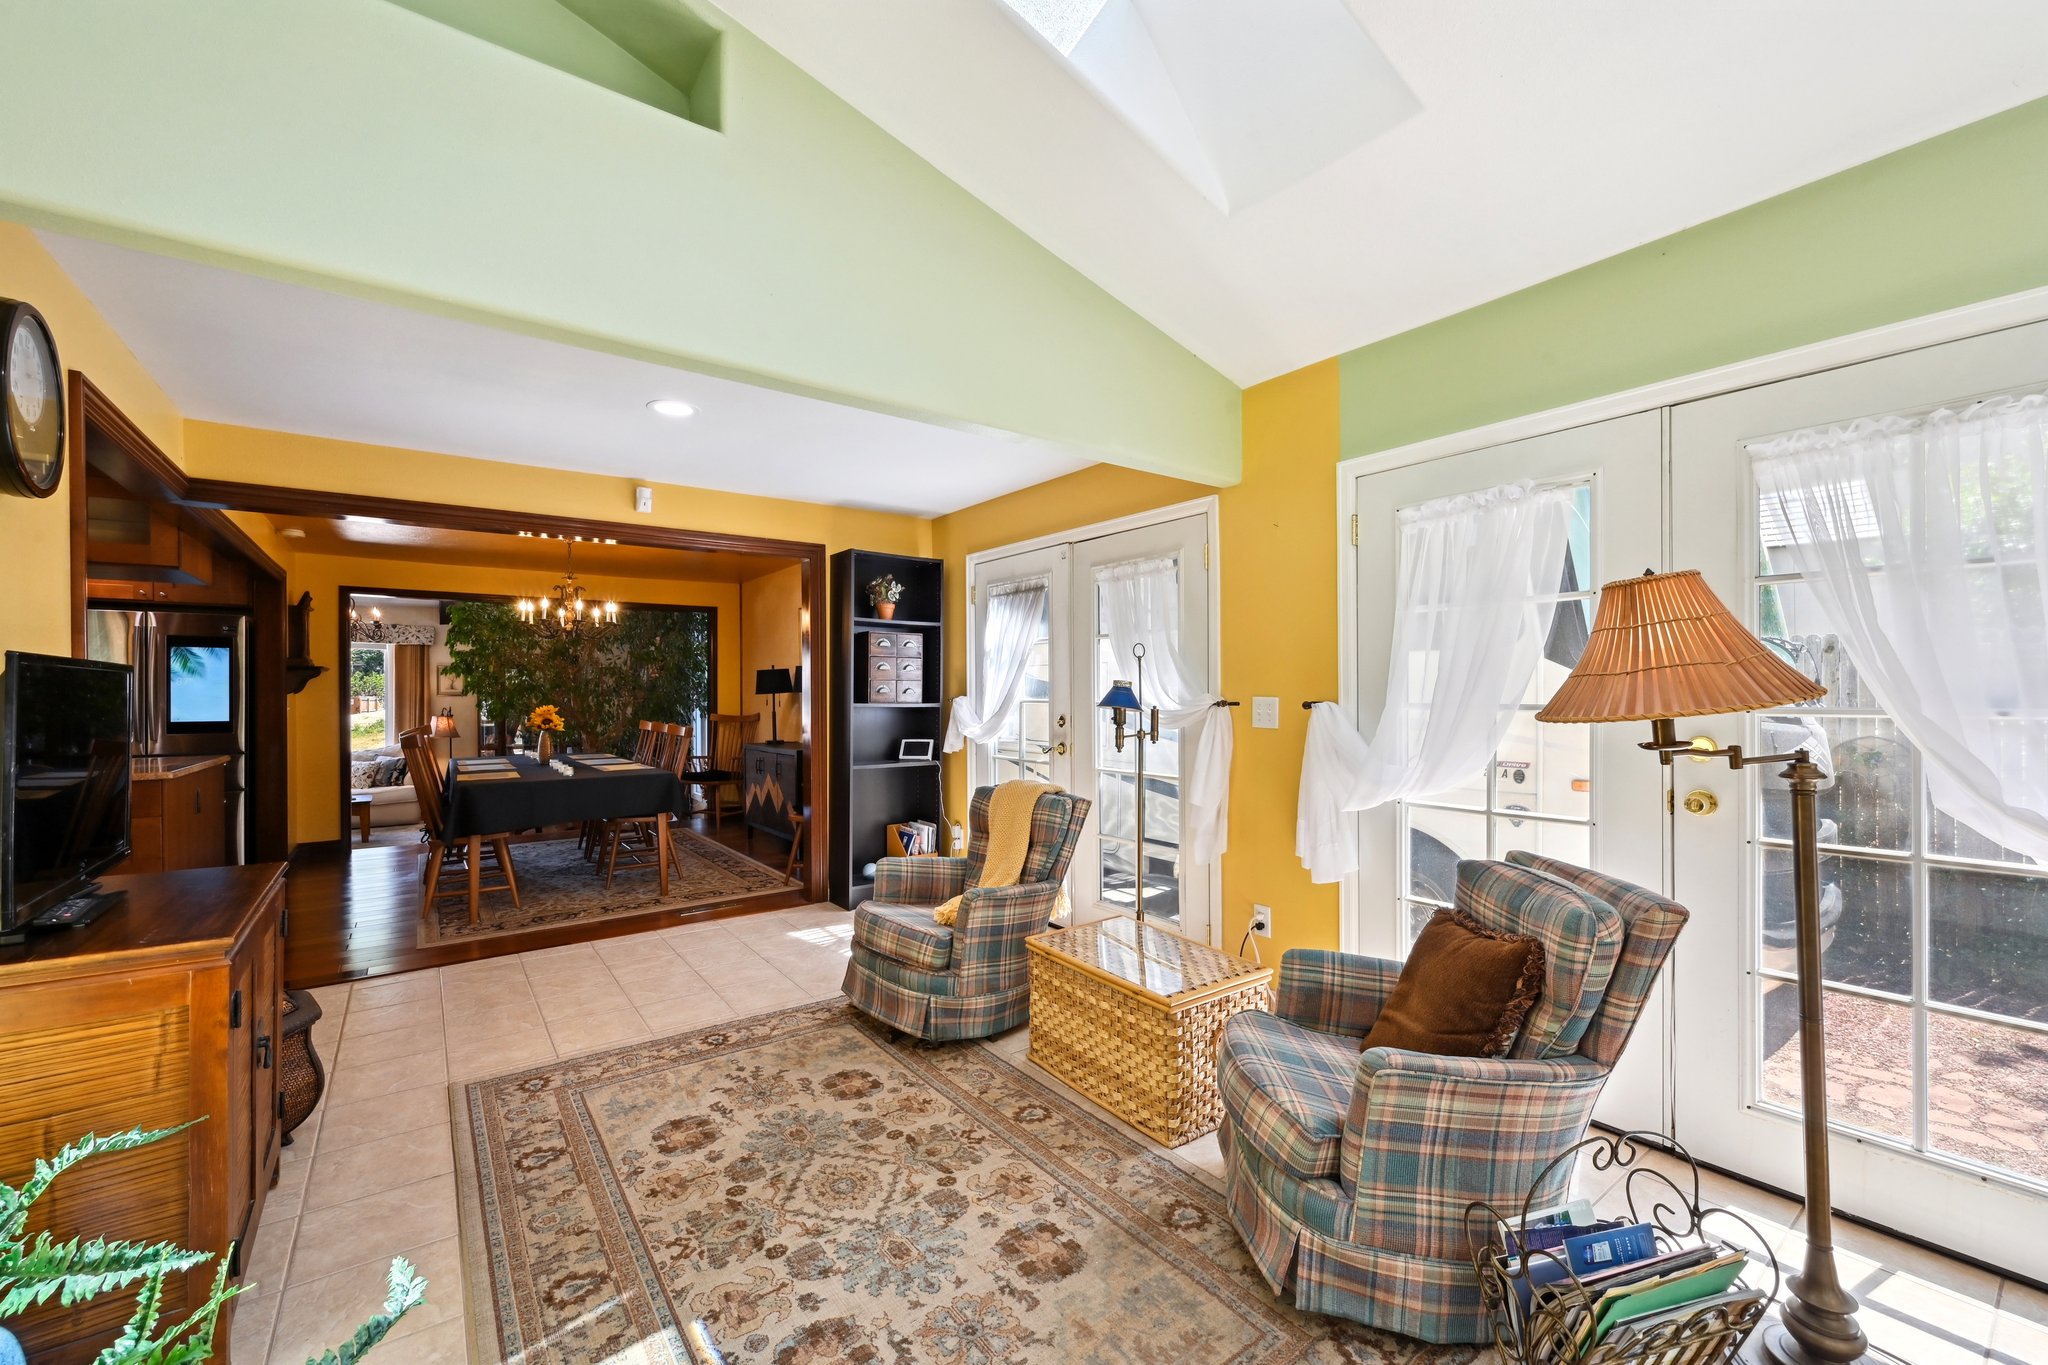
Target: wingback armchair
x: 1349, y: 1172
x: 969, y: 979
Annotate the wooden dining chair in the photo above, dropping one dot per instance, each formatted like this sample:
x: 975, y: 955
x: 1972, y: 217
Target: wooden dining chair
x: 444, y: 855
x: 719, y: 769
x: 645, y: 840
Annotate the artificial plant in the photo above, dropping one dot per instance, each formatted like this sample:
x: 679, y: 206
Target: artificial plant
x: 35, y: 1271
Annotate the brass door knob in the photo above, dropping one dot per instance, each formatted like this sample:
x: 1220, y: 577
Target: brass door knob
x: 1702, y: 802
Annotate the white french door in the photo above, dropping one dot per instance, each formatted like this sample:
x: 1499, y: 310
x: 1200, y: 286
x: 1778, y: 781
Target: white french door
x: 1061, y: 736
x: 1578, y: 792
x: 1936, y: 939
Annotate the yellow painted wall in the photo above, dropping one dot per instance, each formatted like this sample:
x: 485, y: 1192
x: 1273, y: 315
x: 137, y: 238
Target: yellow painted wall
x: 1278, y: 558
x: 315, y: 713
x: 35, y: 533
x: 251, y: 455
x: 771, y: 636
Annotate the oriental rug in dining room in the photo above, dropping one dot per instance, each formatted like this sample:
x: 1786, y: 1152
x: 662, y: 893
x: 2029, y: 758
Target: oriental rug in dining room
x: 818, y: 1191
x: 557, y: 886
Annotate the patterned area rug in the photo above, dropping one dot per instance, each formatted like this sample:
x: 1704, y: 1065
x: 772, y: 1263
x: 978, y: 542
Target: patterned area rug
x: 557, y: 886
x: 819, y: 1193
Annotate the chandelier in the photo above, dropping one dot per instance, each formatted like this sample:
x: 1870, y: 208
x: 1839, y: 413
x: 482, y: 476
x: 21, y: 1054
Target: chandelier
x: 563, y: 610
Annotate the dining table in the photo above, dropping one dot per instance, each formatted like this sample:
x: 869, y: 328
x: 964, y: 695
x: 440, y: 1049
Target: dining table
x: 493, y: 795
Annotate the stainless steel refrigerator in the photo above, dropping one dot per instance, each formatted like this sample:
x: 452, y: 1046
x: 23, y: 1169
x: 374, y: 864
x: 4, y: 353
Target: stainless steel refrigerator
x: 191, y: 688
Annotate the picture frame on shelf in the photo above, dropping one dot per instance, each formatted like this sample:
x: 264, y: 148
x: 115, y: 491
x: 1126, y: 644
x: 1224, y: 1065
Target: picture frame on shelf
x: 913, y: 750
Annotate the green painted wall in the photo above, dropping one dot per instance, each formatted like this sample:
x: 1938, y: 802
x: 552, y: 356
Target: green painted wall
x: 1954, y: 220
x: 356, y: 144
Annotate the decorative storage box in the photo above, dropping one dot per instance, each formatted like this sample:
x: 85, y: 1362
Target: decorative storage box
x: 1127, y: 1014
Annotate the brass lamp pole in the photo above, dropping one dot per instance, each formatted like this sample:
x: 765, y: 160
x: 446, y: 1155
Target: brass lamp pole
x: 1121, y: 701
x: 1664, y: 647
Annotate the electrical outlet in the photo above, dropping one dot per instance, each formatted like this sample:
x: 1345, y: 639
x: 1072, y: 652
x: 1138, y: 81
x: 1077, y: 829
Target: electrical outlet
x: 959, y: 839
x: 643, y: 500
x: 1265, y: 713
x: 1262, y: 920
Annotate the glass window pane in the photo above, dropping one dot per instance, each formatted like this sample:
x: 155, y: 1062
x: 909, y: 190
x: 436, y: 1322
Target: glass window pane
x: 1419, y: 914
x: 1870, y: 1058
x: 1790, y: 619
x: 1437, y: 839
x: 1470, y: 794
x: 1546, y: 769
x: 1866, y: 920
x: 1951, y: 838
x: 1552, y: 839
x: 1988, y: 941
x: 1988, y: 1093
x: 1870, y: 802
x: 1119, y: 884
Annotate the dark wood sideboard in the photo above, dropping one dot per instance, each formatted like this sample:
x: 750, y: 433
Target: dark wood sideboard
x: 773, y: 786
x: 164, y: 1009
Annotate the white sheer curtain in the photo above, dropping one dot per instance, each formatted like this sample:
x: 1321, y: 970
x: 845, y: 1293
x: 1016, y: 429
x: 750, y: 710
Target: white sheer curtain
x: 1922, y: 539
x: 1007, y: 634
x: 1475, y: 593
x: 1142, y: 604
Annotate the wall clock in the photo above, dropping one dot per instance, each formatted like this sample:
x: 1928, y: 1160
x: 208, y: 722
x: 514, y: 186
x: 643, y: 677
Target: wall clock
x: 32, y: 391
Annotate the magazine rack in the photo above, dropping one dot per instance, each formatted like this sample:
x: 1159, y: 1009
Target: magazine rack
x: 1559, y: 1319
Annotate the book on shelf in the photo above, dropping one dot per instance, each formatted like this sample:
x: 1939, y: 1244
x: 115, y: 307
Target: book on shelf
x: 913, y: 839
x: 1587, y: 1253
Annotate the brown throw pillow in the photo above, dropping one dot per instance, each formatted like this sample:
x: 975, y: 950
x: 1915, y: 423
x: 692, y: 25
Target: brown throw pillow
x: 1463, y: 992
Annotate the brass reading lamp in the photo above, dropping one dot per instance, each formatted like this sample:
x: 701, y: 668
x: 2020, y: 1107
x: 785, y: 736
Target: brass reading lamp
x: 1664, y: 647
x: 1123, y: 706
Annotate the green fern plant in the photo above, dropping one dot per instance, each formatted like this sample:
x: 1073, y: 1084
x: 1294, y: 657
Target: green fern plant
x: 34, y: 1272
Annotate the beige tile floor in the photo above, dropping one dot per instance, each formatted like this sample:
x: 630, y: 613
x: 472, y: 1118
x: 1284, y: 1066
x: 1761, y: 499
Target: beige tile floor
x: 370, y: 1175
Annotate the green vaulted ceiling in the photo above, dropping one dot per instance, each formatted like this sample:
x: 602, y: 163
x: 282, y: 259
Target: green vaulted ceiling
x: 547, y: 165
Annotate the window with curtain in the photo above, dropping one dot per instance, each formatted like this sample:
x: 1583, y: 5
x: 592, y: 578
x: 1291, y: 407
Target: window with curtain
x: 1535, y: 792
x: 1899, y: 565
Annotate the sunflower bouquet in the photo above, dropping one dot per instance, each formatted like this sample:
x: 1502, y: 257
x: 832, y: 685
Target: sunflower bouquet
x: 548, y: 721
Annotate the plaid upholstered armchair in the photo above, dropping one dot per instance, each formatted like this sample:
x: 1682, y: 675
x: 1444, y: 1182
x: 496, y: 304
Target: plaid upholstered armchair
x: 1350, y: 1172
x: 970, y: 979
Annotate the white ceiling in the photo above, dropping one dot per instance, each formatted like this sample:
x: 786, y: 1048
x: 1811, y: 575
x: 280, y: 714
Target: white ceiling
x: 251, y: 351
x: 1551, y: 135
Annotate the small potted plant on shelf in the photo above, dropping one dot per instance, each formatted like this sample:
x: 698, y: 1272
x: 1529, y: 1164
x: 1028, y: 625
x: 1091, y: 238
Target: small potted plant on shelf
x: 548, y: 721
x: 36, y: 1270
x: 883, y: 595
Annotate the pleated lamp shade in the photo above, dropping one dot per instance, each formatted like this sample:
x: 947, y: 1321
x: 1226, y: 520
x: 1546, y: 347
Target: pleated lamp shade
x: 1663, y: 646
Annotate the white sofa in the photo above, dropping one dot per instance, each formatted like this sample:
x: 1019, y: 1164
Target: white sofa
x: 391, y: 805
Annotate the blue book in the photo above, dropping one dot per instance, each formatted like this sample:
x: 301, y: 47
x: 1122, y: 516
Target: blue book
x: 1591, y: 1253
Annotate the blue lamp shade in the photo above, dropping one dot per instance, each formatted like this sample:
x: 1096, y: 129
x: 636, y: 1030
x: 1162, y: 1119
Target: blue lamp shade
x: 1119, y: 697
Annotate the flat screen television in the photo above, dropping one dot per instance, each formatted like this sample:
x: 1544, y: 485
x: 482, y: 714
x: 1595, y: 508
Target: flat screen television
x: 64, y: 780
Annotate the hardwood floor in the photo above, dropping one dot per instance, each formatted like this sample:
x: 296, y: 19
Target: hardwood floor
x: 353, y: 913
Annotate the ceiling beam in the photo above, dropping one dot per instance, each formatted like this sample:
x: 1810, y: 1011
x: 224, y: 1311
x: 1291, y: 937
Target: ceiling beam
x: 356, y: 145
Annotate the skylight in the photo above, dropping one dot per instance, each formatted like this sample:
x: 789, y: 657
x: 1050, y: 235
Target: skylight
x: 1242, y: 100
x: 1059, y: 22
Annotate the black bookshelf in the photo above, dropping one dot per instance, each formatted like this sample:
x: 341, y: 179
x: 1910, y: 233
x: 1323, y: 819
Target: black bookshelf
x: 872, y: 788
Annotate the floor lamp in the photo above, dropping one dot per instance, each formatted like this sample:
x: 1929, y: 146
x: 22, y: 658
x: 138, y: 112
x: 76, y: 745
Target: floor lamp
x: 1123, y: 706
x: 1663, y: 647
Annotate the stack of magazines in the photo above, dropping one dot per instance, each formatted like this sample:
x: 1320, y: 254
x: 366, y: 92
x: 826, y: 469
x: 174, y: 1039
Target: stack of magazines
x: 1611, y: 1284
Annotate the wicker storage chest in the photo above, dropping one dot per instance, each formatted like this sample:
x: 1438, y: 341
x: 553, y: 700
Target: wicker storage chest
x: 1127, y: 1014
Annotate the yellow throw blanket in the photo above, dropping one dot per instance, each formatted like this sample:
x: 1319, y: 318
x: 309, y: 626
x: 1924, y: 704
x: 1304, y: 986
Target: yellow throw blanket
x: 1009, y: 839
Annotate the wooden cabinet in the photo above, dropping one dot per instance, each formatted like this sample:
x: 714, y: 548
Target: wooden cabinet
x: 178, y: 814
x: 773, y: 787
x: 164, y: 1010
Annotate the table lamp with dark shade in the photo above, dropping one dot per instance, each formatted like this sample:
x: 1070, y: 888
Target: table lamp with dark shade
x: 1664, y: 647
x: 443, y: 727
x: 775, y: 684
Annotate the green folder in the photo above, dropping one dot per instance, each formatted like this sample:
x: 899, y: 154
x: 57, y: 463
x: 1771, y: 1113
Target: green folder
x: 1657, y: 1296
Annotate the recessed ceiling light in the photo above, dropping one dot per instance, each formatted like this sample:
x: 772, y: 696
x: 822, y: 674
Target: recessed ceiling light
x: 672, y: 407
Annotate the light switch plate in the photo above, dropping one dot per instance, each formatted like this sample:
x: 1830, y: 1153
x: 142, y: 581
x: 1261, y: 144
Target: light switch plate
x: 643, y: 500
x: 1265, y: 713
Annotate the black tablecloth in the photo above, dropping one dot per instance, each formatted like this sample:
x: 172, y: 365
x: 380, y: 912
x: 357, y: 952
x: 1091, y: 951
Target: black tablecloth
x: 543, y: 796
